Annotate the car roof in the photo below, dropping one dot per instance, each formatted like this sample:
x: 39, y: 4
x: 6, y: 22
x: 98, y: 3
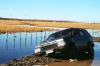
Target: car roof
x: 68, y: 30
x: 66, y: 33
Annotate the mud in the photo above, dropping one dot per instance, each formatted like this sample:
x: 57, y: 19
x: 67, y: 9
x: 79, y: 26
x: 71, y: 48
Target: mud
x: 48, y: 60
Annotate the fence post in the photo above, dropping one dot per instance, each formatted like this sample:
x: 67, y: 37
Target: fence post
x: 41, y: 37
x: 31, y: 38
x: 45, y: 35
x: 51, y: 30
x: 25, y: 36
x: 0, y: 31
x: 14, y: 40
x: 7, y: 39
x: 20, y: 39
x: 36, y: 37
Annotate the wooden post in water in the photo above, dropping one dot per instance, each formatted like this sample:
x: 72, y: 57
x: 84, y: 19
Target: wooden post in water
x: 25, y: 37
x: 0, y: 31
x: 7, y: 39
x: 99, y: 33
x: 45, y: 35
x: 91, y: 31
x: 31, y: 39
x: 41, y: 37
x: 49, y: 31
x: 14, y: 40
x: 52, y: 31
x: 36, y: 37
x: 20, y: 39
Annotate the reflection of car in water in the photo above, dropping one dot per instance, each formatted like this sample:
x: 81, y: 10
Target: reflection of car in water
x: 71, y: 42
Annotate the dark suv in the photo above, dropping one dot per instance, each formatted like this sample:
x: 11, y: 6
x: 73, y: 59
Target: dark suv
x: 72, y: 42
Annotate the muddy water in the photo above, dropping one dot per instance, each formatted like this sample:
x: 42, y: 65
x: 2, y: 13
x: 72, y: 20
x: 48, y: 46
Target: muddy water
x: 88, y: 62
x: 67, y: 63
x: 16, y: 46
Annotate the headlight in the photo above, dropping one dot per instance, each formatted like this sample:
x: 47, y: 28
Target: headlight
x: 60, y: 42
x: 37, y: 50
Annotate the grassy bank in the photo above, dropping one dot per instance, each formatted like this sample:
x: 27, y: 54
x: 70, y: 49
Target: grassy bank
x: 12, y: 28
x: 17, y: 26
x: 26, y: 25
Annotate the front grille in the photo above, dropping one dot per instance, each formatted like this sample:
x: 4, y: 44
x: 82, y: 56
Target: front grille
x: 48, y: 47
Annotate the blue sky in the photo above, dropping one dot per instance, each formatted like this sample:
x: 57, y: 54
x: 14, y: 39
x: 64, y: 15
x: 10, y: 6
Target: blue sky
x: 74, y: 10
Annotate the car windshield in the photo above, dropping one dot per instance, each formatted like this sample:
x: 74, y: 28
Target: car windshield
x: 53, y: 37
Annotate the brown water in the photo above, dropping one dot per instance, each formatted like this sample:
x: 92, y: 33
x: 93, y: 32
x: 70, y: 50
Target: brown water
x: 67, y: 63
x: 22, y: 46
x: 88, y: 62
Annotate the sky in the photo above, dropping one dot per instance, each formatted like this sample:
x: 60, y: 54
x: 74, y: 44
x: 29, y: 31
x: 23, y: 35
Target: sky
x: 72, y: 10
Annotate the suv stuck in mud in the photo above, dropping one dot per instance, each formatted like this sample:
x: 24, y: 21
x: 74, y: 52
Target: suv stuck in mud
x: 72, y: 42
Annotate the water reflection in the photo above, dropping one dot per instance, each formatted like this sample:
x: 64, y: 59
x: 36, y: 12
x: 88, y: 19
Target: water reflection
x: 16, y: 45
x: 67, y: 63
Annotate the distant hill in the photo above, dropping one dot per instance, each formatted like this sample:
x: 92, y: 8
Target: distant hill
x: 40, y: 20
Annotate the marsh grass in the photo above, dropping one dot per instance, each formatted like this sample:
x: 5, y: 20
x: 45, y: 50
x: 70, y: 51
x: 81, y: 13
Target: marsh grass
x: 22, y: 25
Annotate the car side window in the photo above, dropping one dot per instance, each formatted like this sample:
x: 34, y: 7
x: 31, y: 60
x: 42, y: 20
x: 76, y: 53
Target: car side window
x: 50, y: 38
x: 81, y: 33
